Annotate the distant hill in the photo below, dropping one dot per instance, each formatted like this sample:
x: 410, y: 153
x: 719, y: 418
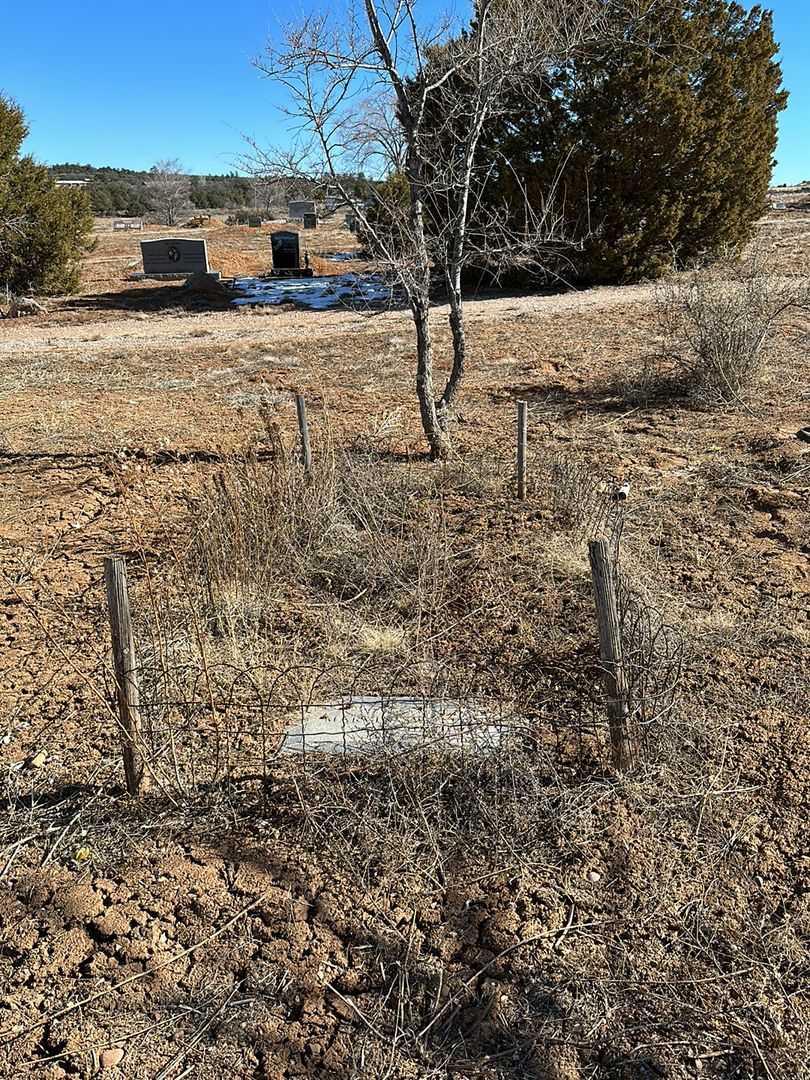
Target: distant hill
x: 123, y: 191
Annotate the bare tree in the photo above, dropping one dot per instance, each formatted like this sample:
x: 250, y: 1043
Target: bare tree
x: 446, y: 85
x: 12, y: 225
x: 377, y: 139
x: 12, y: 222
x: 168, y: 188
x: 269, y: 194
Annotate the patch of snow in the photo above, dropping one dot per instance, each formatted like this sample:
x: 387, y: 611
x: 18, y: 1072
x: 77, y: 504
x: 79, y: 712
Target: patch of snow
x: 318, y: 293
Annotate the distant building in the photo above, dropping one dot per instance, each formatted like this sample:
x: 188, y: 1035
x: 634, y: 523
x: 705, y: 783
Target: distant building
x: 73, y: 182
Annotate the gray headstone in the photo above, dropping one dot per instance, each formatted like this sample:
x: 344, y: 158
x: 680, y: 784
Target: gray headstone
x: 298, y: 207
x: 174, y: 256
x: 310, y: 221
x: 286, y: 252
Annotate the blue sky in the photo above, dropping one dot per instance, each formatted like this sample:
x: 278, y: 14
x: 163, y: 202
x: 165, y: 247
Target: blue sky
x: 110, y: 83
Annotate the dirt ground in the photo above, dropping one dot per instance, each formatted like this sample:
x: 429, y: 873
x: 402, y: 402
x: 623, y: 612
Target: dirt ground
x: 659, y: 927
x: 232, y: 249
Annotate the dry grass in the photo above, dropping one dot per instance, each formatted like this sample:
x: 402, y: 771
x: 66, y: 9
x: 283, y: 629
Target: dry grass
x: 513, y: 914
x: 719, y: 323
x: 366, y: 543
x: 295, y: 588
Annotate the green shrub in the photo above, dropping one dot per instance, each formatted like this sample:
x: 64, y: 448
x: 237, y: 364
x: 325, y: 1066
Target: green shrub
x: 654, y: 149
x: 44, y: 229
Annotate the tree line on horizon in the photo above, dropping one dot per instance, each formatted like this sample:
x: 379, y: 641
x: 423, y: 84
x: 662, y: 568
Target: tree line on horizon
x: 125, y: 192
x: 133, y: 193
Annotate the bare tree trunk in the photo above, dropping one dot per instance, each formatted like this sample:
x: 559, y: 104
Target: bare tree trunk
x: 431, y: 424
x: 459, y: 347
x: 445, y: 86
x: 419, y: 295
x: 455, y: 263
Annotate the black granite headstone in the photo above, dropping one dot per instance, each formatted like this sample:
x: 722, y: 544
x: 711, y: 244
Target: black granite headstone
x: 286, y: 254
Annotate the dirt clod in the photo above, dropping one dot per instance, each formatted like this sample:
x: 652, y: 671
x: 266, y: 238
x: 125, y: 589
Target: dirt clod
x: 110, y: 1058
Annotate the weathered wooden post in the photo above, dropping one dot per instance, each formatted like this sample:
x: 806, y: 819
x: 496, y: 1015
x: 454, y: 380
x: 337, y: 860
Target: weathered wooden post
x: 303, y: 431
x: 610, y: 650
x: 522, y: 435
x: 126, y: 673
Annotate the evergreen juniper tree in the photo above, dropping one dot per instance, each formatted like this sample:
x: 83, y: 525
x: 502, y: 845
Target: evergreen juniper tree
x: 661, y: 148
x: 43, y: 228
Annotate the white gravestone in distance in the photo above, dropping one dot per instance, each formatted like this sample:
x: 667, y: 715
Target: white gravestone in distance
x: 175, y: 257
x: 298, y: 207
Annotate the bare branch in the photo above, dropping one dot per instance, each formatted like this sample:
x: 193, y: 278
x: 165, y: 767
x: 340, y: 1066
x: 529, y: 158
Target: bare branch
x: 379, y: 90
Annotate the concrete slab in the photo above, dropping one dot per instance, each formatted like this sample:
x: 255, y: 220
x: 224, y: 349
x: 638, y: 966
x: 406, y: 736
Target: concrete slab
x: 365, y: 725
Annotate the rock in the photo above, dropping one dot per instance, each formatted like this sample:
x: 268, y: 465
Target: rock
x: 81, y: 902
x: 341, y: 1007
x: 594, y: 875
x: 108, y: 1059
x: 112, y: 924
x: 209, y: 285
x: 25, y: 305
x: 299, y: 910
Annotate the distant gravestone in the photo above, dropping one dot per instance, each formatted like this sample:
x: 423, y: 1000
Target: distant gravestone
x: 310, y: 221
x: 286, y: 251
x: 298, y: 207
x: 174, y: 256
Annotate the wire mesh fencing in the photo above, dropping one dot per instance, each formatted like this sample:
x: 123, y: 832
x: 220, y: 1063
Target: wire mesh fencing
x: 203, y: 721
x: 202, y: 724
x: 652, y: 661
x: 649, y: 655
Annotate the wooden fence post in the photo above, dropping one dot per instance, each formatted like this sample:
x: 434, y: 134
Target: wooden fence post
x: 126, y: 673
x: 522, y: 435
x: 610, y: 650
x: 303, y: 431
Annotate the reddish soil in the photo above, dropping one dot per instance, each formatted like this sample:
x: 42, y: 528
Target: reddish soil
x: 659, y: 926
